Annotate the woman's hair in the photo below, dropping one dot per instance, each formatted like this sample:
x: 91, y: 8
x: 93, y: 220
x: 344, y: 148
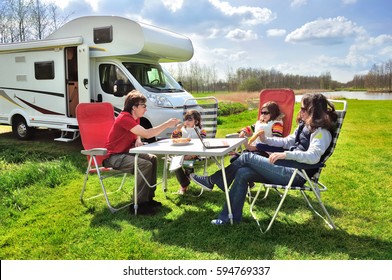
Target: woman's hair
x: 273, y: 109
x: 134, y: 98
x: 321, y: 111
x: 195, y: 115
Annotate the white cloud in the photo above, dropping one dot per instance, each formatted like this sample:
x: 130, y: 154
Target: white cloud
x: 298, y: 3
x: 173, y: 5
x: 238, y: 56
x: 386, y: 51
x: 367, y: 51
x: 354, y: 59
x: 94, y: 4
x: 241, y: 35
x: 253, y: 15
x: 62, y: 4
x: 380, y: 40
x: 326, y: 31
x: 222, y: 54
x: 214, y: 33
x: 276, y: 32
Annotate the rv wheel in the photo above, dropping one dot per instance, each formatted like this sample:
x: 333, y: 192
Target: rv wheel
x: 21, y: 130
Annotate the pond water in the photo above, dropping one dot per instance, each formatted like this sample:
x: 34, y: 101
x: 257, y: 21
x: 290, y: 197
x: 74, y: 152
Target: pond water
x: 360, y: 95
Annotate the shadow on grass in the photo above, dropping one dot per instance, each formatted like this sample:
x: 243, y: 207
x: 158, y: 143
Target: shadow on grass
x: 192, y: 229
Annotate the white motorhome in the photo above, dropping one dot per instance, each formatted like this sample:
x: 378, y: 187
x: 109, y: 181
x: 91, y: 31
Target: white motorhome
x: 90, y: 59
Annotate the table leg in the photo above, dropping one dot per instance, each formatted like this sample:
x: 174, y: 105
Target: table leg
x: 164, y: 179
x: 230, y: 214
x: 135, y: 187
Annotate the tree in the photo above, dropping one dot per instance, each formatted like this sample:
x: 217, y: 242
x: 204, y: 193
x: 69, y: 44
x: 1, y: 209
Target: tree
x: 252, y: 84
x: 25, y: 20
x: 388, y: 73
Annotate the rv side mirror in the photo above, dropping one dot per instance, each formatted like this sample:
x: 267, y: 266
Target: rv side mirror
x: 121, y: 88
x: 180, y: 83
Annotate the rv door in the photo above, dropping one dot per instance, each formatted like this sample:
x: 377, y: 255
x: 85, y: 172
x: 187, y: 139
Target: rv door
x: 84, y: 74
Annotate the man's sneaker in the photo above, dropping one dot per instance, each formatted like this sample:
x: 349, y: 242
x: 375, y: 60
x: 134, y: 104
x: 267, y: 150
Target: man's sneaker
x: 217, y: 222
x: 202, y: 181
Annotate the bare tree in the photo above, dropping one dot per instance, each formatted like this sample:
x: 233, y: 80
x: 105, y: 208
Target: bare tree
x: 388, y: 73
x: 39, y: 18
x: 20, y: 18
x: 24, y: 20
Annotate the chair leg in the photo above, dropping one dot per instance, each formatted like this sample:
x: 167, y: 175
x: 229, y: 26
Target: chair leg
x: 104, y: 192
x: 249, y: 195
x: 111, y: 208
x: 205, y: 167
x: 287, y: 188
x: 328, y: 219
x: 85, y: 179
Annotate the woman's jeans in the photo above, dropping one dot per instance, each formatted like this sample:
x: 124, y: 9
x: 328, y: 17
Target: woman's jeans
x: 250, y: 167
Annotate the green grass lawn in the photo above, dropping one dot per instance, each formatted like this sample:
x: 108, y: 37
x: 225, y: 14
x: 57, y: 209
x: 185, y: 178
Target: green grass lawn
x: 42, y: 217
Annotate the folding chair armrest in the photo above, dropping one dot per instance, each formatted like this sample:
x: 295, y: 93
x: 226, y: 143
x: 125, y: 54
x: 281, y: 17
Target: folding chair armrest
x: 232, y: 135
x: 298, y: 165
x: 268, y: 148
x: 95, y: 152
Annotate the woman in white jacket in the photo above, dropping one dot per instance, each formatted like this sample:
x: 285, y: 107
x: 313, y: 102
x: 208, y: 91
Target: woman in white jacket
x: 306, y: 145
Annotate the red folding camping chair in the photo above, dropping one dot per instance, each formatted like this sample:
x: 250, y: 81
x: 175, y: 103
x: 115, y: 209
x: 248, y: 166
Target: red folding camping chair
x: 286, y: 99
x: 95, y: 121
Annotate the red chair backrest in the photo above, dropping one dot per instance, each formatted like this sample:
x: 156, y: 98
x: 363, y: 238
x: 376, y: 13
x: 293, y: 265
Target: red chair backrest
x: 285, y: 99
x: 95, y: 121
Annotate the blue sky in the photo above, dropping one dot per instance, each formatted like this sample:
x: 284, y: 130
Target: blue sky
x: 305, y: 37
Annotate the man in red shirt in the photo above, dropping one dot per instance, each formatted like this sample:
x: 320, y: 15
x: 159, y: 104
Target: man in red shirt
x: 125, y: 134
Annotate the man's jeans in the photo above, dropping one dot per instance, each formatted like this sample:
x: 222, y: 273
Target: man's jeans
x: 147, y: 164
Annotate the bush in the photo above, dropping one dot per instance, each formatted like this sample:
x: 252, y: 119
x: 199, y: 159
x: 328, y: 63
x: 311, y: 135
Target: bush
x: 230, y: 108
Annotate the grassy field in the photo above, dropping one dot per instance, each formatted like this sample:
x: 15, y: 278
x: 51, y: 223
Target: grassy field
x: 42, y: 217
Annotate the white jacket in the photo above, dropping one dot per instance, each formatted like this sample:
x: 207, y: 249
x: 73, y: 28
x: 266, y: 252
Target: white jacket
x: 320, y: 140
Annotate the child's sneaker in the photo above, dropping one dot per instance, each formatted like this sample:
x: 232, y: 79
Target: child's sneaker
x: 182, y: 190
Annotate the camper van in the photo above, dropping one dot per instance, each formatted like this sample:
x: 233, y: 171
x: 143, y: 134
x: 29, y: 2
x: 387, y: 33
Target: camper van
x: 90, y: 59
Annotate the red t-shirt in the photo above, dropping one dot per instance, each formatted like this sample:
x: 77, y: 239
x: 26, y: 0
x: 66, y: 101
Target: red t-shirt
x: 120, y: 138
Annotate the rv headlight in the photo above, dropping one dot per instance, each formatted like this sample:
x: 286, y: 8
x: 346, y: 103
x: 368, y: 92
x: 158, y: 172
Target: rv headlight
x: 159, y: 100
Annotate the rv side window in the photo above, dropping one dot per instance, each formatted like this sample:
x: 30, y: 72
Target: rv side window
x: 44, y: 70
x: 103, y: 34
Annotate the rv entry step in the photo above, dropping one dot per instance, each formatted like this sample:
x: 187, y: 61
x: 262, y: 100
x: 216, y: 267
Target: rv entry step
x: 68, y: 135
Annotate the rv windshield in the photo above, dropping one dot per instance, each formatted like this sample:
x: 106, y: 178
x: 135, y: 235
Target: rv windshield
x: 153, y: 77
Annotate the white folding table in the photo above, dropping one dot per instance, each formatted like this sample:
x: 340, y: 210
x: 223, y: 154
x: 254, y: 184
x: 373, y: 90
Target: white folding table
x: 195, y: 147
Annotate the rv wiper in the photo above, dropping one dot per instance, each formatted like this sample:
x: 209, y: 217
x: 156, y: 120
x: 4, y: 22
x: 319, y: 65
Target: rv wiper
x: 173, y: 90
x: 153, y: 87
